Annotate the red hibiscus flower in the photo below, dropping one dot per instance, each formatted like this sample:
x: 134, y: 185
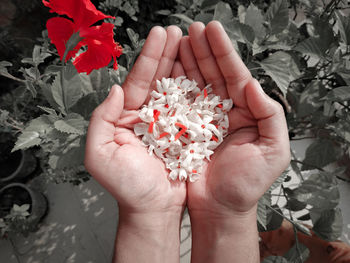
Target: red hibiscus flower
x: 101, y: 47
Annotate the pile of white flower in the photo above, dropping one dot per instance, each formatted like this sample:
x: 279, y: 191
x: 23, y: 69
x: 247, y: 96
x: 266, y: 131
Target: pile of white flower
x: 182, y: 125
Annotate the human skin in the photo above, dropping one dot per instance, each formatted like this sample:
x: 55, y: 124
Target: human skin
x: 150, y: 205
x: 223, y: 203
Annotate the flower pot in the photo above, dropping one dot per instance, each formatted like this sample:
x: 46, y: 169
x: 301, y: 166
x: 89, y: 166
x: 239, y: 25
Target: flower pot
x: 279, y: 241
x: 16, y: 166
x: 20, y: 194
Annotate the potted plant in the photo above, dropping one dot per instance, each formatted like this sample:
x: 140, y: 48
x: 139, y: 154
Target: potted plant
x: 21, y: 209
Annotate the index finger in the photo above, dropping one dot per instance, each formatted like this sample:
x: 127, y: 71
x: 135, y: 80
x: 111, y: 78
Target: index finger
x: 235, y: 72
x: 138, y: 81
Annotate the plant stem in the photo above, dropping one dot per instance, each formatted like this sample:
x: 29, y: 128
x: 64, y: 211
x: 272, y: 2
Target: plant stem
x: 313, y: 166
x: 302, y: 138
x: 298, y: 170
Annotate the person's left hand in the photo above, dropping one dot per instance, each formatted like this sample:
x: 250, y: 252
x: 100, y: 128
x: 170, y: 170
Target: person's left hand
x: 115, y: 157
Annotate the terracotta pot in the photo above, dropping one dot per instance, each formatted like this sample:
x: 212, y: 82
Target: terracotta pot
x: 17, y: 166
x: 279, y: 241
x: 20, y: 194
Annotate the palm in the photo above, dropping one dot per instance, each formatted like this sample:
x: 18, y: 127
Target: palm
x: 114, y: 155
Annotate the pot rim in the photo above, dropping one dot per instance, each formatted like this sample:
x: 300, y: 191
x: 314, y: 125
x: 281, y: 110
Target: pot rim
x: 18, y: 169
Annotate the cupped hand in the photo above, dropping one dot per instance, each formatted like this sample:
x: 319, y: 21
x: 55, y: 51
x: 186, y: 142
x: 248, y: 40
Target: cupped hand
x: 114, y: 156
x: 256, y: 151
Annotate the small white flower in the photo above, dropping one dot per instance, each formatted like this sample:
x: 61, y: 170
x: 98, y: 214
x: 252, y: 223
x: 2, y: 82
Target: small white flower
x: 182, y: 125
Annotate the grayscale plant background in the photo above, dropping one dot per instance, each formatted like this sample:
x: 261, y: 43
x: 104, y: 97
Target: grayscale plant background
x: 299, y: 50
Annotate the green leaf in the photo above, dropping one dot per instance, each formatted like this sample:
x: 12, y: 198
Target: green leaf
x: 274, y: 220
x: 319, y: 154
x: 67, y: 89
x: 338, y: 94
x: 33, y: 134
x: 31, y: 88
x: 281, y: 67
x: 278, y: 16
x: 330, y: 225
x: 262, y: 214
x: 208, y: 3
x: 319, y: 190
x: 56, y: 94
x: 86, y: 105
x: 183, y: 18
x: 73, y: 156
x: 255, y: 20
x: 342, y: 129
x: 317, y: 45
x: 344, y: 27
x: 101, y: 82
x: 223, y: 13
x: 3, y: 67
x: 294, y: 204
x: 295, y: 254
x: 275, y: 259
x: 309, y: 101
x: 204, y: 17
x: 73, y: 123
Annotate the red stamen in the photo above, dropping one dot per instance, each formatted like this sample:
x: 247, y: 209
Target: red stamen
x: 219, y: 105
x: 214, y: 138
x: 163, y: 135
x: 156, y: 114
x: 192, y: 141
x: 166, y: 106
x: 178, y: 157
x: 205, y: 93
x: 191, y: 151
x: 198, y: 95
x: 150, y: 127
x: 166, y: 150
x: 164, y: 93
x: 194, y: 171
x: 203, y: 126
x: 186, y: 135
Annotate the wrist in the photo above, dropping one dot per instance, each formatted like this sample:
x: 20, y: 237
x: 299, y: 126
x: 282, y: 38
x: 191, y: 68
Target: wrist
x: 225, y: 236
x: 152, y: 235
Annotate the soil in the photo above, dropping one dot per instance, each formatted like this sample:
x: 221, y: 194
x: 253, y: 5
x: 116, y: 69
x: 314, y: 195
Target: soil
x: 14, y: 195
x: 8, y: 161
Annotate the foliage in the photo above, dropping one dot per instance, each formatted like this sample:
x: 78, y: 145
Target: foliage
x: 305, y: 65
x: 16, y: 221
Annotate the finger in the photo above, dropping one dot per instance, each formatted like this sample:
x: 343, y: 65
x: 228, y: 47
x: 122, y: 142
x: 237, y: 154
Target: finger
x: 137, y: 83
x: 103, y: 120
x: 189, y: 63
x: 174, y: 35
x: 206, y: 60
x: 233, y: 69
x: 269, y: 114
x: 178, y: 70
x: 169, y: 55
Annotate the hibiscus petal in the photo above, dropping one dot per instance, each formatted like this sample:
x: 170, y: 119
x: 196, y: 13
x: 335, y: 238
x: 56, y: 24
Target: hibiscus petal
x: 101, y: 48
x: 60, y: 30
x: 83, y: 12
x: 97, y: 56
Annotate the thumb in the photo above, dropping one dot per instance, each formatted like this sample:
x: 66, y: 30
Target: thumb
x: 104, y: 118
x: 269, y: 114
